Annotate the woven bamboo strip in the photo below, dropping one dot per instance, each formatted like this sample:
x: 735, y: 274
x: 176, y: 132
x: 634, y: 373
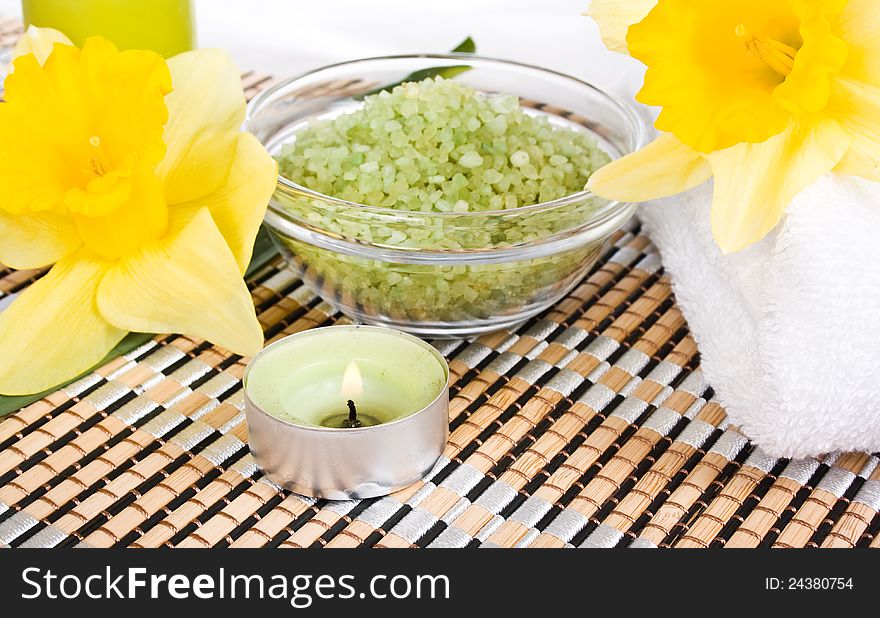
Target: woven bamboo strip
x: 615, y: 472
x: 157, y: 498
x: 16, y: 280
x: 72, y: 452
x: 26, y: 419
x: 692, y: 489
x: 520, y: 424
x: 853, y: 523
x: 596, y: 443
x: 766, y: 514
x: 188, y: 513
x: 94, y: 438
x: 113, y: 491
x: 273, y: 522
x: 489, y: 453
x: 724, y: 506
x: 66, y: 421
x: 586, y: 292
x: 84, y: 478
x: 660, y: 476
x: 811, y: 514
x: 607, y: 481
x: 231, y: 516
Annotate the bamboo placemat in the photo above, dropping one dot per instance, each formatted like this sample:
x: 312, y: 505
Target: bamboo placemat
x: 589, y: 426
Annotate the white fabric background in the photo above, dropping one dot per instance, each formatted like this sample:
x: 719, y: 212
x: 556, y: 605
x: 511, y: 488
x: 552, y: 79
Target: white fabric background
x: 285, y: 37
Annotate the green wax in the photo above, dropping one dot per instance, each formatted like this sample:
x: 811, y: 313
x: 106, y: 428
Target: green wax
x: 164, y: 26
x: 300, y: 379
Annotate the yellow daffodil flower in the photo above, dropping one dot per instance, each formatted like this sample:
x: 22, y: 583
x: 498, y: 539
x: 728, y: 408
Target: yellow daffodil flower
x: 131, y: 175
x: 764, y: 95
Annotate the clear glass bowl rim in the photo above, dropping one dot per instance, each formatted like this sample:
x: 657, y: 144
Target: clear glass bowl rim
x: 597, y: 224
x: 639, y: 136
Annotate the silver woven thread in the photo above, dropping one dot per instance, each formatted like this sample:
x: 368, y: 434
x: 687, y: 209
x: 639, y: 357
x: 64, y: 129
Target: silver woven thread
x: 452, y: 537
x: 565, y: 382
x: 633, y: 361
x: 462, y: 479
x: 603, y: 537
x: 800, y: 470
x: 414, y: 525
x: 571, y: 337
x: 663, y: 373
x: 630, y: 409
x: 107, y: 394
x: 423, y: 492
x: 532, y: 372
x: 163, y: 358
x: 379, y: 512
x: 497, y: 496
x: 601, y: 347
x: 567, y: 524
x: 341, y: 507
x: 869, y: 494
x: 503, y: 363
x: 457, y: 509
x: 221, y: 449
x: 46, y: 538
x: 761, y: 460
x: 15, y: 526
x: 696, y: 433
x: 729, y: 444
x: 597, y: 397
x: 541, y: 329
x: 473, y: 355
x: 598, y: 371
x: 662, y: 420
x: 836, y: 481
x: 531, y: 511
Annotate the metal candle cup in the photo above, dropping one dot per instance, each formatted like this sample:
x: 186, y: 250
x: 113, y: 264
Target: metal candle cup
x: 284, y: 410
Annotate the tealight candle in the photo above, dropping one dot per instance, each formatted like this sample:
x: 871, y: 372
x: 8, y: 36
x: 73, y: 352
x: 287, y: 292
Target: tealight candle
x: 347, y: 411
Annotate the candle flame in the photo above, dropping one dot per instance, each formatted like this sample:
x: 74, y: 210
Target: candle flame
x: 352, y: 382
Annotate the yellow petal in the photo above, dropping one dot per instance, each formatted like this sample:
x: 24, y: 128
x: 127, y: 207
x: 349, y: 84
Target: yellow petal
x: 205, y: 113
x: 142, y: 217
x: 35, y: 240
x: 754, y: 183
x: 857, y: 26
x: 73, y: 127
x: 614, y: 18
x: 39, y: 42
x: 53, y: 331
x: 713, y: 92
x: 662, y: 168
x: 856, y: 105
x: 188, y: 283
x: 239, y: 204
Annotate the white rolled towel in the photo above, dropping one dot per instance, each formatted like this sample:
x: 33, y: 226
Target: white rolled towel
x: 789, y: 328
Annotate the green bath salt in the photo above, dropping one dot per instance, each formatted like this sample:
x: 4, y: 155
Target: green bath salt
x: 440, y: 146
x: 455, y: 167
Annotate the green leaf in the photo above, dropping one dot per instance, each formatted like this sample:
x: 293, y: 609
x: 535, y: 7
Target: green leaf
x: 264, y: 251
x: 468, y: 46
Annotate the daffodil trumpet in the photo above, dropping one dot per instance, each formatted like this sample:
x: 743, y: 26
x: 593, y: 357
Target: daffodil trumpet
x: 764, y: 96
x: 130, y: 176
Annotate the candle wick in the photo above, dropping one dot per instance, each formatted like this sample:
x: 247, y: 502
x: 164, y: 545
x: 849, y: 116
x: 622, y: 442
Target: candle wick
x: 352, y: 421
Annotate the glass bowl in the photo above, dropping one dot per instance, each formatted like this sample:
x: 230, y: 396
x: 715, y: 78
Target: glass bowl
x: 442, y: 274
